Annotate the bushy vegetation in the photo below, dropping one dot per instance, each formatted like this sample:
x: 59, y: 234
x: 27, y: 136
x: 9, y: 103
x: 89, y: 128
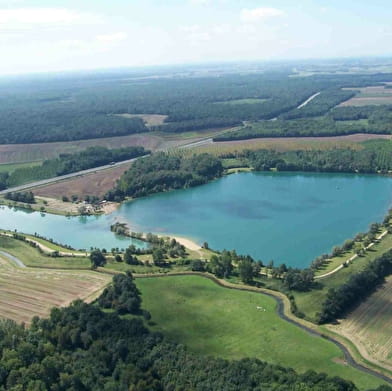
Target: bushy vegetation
x: 356, y: 289
x: 27, y: 197
x: 69, y: 163
x: 376, y: 156
x: 163, y: 172
x: 82, y: 348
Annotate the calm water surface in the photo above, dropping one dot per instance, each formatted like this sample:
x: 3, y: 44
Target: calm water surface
x: 289, y: 218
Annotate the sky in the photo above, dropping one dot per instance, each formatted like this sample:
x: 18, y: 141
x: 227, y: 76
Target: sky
x: 54, y: 35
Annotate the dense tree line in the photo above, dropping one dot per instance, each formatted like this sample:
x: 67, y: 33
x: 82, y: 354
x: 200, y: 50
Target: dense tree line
x: 376, y: 156
x: 356, y: 289
x: 27, y: 197
x: 75, y: 107
x: 321, y: 127
x: 163, y: 172
x: 68, y: 163
x: 83, y: 348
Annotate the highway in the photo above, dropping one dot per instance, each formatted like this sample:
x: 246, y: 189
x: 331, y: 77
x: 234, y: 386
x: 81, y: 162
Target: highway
x: 61, y: 178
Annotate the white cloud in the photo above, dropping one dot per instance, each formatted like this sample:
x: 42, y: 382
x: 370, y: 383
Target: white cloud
x: 27, y: 17
x: 199, y: 2
x: 115, y: 37
x: 256, y: 14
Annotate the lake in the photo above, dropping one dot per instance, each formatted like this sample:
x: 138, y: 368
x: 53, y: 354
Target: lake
x: 288, y: 217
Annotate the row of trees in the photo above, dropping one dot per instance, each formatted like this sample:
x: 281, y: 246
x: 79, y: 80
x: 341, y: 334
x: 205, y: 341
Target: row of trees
x: 27, y: 197
x: 375, y: 157
x: 358, y: 287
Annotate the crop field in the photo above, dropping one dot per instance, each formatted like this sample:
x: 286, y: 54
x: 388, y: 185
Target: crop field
x: 25, y: 293
x: 234, y: 324
x: 98, y: 183
x: 369, y: 326
x: 373, y: 95
x: 14, y: 166
x: 288, y: 144
x: 16, y: 153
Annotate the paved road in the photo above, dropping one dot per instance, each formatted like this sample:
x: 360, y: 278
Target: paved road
x: 93, y: 170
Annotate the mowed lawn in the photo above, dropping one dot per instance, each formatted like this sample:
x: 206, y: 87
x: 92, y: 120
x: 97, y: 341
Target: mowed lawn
x: 369, y: 326
x: 234, y: 324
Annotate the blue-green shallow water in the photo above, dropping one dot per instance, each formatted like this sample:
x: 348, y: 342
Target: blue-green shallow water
x: 291, y: 218
x: 79, y: 232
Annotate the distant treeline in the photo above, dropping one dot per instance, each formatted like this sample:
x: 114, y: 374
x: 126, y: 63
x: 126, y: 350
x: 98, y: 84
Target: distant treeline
x: 73, y: 108
x: 356, y: 289
x: 27, y: 197
x: 375, y: 157
x: 69, y: 163
x: 163, y: 172
x: 83, y: 347
x: 333, y: 125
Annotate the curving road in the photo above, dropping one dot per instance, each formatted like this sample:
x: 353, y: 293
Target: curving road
x: 280, y: 312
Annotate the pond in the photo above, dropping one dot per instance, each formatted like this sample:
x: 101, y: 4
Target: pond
x: 287, y: 217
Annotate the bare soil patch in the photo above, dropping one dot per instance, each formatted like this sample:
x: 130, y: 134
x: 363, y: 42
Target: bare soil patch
x: 98, y: 183
x: 372, y: 95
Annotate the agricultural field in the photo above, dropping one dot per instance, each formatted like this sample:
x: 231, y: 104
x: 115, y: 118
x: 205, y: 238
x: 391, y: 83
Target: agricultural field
x: 283, y: 144
x: 97, y: 183
x: 16, y: 153
x: 369, y: 326
x: 212, y: 320
x: 10, y: 168
x: 25, y: 292
x: 373, y: 95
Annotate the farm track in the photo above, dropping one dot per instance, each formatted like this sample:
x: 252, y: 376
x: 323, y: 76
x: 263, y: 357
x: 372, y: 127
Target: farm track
x: 279, y: 298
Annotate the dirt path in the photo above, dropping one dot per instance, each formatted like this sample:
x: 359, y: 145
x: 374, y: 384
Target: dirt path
x: 15, y: 260
x: 283, y: 311
x: 352, y: 258
x: 308, y: 100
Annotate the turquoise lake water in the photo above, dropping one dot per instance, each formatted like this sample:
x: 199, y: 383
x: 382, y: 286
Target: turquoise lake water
x: 290, y: 218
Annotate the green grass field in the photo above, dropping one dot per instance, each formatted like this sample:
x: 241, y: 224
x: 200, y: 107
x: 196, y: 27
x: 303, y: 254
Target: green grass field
x: 233, y: 324
x: 13, y: 166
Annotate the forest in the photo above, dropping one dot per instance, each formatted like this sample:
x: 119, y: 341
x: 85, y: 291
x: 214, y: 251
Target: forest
x: 162, y: 172
x: 71, y: 107
x: 82, y: 347
x: 69, y: 163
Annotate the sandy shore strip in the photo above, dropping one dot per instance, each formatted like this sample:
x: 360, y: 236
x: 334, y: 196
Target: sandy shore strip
x: 188, y: 243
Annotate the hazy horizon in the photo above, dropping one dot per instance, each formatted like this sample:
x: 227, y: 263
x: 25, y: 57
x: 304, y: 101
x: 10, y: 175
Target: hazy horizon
x: 56, y: 36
